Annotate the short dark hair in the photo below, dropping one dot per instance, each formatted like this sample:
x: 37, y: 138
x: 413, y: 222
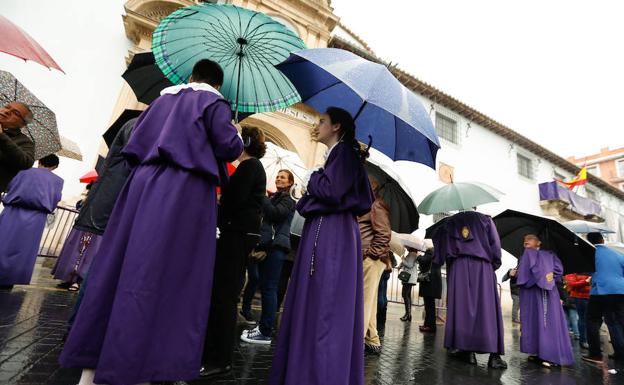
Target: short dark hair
x: 208, y: 71
x: 595, y: 238
x: 49, y: 161
x: 253, y: 140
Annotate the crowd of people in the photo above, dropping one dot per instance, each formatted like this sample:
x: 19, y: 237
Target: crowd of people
x: 166, y: 235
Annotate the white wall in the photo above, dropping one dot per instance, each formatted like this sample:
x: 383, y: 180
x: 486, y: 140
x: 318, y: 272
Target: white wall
x: 86, y: 38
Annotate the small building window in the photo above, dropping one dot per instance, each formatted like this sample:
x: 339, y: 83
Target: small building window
x: 619, y: 165
x: 591, y: 194
x: 447, y: 128
x: 525, y: 166
x: 594, y: 170
x: 558, y: 176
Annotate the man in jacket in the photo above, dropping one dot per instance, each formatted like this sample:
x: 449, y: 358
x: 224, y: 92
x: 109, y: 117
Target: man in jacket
x: 579, y: 286
x: 375, y: 233
x: 17, y: 151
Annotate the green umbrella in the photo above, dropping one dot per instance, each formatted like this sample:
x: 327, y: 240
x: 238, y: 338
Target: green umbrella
x: 458, y: 196
x: 245, y: 43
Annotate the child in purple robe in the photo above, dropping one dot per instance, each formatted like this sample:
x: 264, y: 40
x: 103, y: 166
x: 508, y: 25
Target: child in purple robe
x: 31, y: 196
x: 544, y: 330
x: 320, y: 336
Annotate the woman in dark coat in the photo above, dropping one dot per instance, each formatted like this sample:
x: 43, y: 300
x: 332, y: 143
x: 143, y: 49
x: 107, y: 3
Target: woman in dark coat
x: 430, y: 289
x: 240, y: 216
x: 274, y: 246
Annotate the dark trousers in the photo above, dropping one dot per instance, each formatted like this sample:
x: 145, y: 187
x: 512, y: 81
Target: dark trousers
x: 287, y: 268
x: 251, y: 286
x: 270, y: 271
x: 72, y: 318
x: 382, y: 300
x: 430, y: 312
x: 611, y: 309
x: 229, y: 268
x: 581, y: 309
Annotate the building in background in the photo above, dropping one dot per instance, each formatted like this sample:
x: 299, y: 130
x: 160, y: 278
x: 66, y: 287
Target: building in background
x: 607, y: 164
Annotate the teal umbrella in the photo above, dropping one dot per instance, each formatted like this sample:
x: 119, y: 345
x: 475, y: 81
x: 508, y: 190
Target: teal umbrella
x: 458, y: 196
x: 245, y: 43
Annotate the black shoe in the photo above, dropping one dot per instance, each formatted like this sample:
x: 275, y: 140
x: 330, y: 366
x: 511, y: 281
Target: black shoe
x: 6, y: 287
x: 496, y: 362
x: 468, y: 357
x: 406, y: 318
x: 212, y: 371
x: 249, y: 318
x: 372, y: 349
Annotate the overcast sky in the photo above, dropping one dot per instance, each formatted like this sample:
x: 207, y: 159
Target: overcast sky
x: 550, y: 70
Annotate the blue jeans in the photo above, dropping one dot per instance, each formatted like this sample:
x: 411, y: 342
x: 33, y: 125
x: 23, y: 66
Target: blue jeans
x: 251, y: 286
x: 581, y: 309
x: 572, y: 317
x: 270, y: 272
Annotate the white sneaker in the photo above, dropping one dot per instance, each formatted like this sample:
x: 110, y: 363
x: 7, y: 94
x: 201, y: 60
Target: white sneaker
x: 254, y: 336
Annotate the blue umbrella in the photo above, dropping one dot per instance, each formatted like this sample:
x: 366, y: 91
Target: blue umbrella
x: 382, y: 107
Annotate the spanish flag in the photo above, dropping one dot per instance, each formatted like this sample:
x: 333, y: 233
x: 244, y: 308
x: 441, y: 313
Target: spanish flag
x: 578, y: 180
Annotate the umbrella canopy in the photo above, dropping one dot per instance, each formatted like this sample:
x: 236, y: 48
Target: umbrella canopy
x: 69, y: 149
x: 145, y: 78
x: 382, y: 107
x: 89, y: 177
x: 245, y: 43
x: 396, y: 244
x: 431, y: 230
x: 395, y: 193
x: 458, y: 196
x: 576, y: 254
x: 112, y: 131
x: 42, y: 130
x: 15, y: 41
x: 277, y: 158
x: 584, y: 227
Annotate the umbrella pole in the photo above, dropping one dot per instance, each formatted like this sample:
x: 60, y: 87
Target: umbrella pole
x: 241, y: 41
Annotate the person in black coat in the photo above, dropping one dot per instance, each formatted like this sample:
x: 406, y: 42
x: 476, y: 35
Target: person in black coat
x: 240, y: 216
x: 430, y: 289
x: 17, y: 151
x: 272, y: 250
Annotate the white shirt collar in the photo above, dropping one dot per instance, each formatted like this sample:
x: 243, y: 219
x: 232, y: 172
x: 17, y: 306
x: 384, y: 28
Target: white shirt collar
x: 194, y: 86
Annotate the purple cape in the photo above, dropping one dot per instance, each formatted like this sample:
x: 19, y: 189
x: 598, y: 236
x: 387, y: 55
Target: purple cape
x: 76, y: 255
x: 543, y: 323
x: 470, y: 245
x: 320, y: 335
x: 144, y: 314
x: 31, y: 196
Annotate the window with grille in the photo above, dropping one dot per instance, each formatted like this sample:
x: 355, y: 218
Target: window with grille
x: 591, y: 194
x: 525, y: 166
x: 619, y: 165
x: 594, y: 170
x: 447, y: 128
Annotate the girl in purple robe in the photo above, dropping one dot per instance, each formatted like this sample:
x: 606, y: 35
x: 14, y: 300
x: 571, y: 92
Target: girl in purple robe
x: 320, y: 337
x: 543, y: 324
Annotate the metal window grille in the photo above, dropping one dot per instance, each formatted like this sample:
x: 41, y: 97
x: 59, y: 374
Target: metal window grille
x: 525, y: 166
x: 447, y: 128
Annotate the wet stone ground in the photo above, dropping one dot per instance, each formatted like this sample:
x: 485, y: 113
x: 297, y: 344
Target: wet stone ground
x: 32, y: 324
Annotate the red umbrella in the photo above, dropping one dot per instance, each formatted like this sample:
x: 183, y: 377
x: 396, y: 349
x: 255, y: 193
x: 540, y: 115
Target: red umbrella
x: 15, y: 41
x: 89, y: 177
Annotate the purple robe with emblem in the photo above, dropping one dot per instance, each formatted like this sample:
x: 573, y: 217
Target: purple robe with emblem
x: 144, y: 314
x: 469, y: 244
x: 543, y: 323
x: 76, y: 255
x: 320, y: 335
x: 31, y: 196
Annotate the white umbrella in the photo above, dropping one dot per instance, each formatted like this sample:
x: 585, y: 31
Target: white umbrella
x: 277, y: 158
x: 584, y: 227
x: 69, y: 149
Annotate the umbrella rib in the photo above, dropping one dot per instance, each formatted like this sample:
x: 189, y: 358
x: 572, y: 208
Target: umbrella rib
x: 272, y: 77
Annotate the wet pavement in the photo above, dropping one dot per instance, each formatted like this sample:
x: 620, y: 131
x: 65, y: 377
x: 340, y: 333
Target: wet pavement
x: 32, y: 324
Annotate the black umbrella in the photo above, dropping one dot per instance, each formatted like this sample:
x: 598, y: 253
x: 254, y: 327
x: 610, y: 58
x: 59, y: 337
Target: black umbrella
x: 112, y: 131
x: 145, y: 78
x: 433, y: 229
x: 576, y: 254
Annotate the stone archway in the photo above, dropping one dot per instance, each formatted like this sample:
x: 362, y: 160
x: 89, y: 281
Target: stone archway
x: 272, y: 133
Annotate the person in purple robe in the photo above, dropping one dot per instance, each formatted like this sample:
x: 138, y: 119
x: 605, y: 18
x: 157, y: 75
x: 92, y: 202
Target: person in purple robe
x: 320, y: 336
x: 75, y: 258
x: 144, y: 314
x: 469, y: 244
x: 544, y: 329
x: 32, y: 194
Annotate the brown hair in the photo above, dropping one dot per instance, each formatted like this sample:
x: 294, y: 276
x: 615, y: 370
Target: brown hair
x: 291, y: 177
x: 253, y: 140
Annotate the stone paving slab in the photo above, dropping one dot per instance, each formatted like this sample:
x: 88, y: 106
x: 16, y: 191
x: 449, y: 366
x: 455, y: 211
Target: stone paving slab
x: 32, y: 324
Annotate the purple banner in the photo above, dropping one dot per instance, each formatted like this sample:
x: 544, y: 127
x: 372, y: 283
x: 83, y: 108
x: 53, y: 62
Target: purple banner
x: 578, y: 204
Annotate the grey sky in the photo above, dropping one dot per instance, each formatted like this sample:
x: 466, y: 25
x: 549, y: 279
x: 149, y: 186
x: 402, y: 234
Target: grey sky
x: 551, y: 70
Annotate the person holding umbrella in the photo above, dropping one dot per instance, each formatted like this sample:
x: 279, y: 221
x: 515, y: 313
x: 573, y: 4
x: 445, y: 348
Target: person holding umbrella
x: 544, y: 327
x: 17, y: 151
x: 320, y: 337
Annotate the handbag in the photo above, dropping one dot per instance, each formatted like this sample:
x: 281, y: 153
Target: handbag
x: 424, y: 277
x: 404, y: 276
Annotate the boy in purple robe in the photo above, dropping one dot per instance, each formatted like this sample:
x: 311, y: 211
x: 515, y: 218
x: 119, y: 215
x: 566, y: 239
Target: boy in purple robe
x: 469, y: 244
x: 144, y: 315
x: 320, y: 336
x: 32, y: 195
x: 543, y: 324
